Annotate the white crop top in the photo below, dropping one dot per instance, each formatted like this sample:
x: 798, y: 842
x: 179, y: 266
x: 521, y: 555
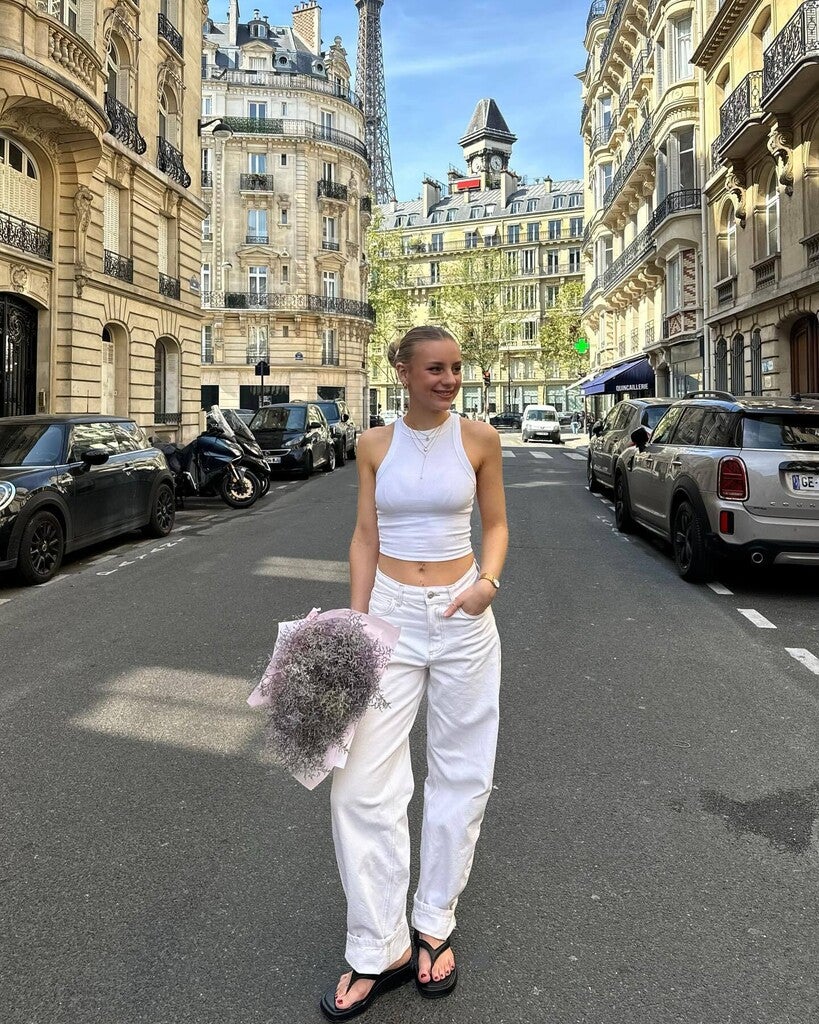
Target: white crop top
x: 425, y: 519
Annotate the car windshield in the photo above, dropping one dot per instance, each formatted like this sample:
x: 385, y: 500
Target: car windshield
x: 782, y: 431
x: 330, y: 410
x: 653, y: 415
x: 540, y: 414
x: 278, y: 417
x: 30, y: 444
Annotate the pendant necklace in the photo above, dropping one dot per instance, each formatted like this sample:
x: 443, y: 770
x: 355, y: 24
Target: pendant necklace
x: 424, y: 441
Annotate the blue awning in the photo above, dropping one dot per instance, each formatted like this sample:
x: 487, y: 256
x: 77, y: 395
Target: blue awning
x: 625, y: 378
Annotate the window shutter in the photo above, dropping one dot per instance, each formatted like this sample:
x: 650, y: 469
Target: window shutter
x: 111, y: 218
x: 162, y: 255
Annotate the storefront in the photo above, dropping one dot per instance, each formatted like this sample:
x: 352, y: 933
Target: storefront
x: 634, y: 379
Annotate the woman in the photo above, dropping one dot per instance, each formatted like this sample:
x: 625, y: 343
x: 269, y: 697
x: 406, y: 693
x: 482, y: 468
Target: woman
x: 411, y: 562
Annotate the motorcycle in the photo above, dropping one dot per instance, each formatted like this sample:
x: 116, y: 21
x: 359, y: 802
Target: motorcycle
x: 211, y: 466
x: 254, y: 460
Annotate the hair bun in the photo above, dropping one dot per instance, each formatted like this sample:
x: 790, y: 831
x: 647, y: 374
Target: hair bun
x: 392, y: 352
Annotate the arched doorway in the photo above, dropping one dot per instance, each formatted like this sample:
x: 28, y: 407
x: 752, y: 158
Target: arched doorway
x: 18, y: 357
x: 805, y: 356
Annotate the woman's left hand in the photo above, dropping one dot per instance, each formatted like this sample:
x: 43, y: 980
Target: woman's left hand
x: 474, y: 600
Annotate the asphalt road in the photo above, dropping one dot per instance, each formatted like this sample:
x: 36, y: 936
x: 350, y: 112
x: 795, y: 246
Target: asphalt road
x: 650, y: 853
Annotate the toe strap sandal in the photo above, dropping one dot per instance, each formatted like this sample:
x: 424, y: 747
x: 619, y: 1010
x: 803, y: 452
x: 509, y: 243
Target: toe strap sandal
x: 381, y: 983
x: 433, y: 989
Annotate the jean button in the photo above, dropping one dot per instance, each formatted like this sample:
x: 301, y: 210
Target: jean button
x: 431, y: 594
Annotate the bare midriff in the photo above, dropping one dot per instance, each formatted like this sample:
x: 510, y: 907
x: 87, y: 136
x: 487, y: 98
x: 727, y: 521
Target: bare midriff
x: 422, y: 574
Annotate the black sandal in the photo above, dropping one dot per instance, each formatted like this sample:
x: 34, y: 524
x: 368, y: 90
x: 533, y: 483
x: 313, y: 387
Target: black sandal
x: 384, y: 982
x: 433, y: 989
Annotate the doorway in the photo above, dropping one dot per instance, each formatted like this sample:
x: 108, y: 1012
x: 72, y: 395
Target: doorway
x: 18, y: 357
x: 805, y: 356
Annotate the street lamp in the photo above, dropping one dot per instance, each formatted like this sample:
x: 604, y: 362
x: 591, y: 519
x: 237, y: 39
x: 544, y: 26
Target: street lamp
x: 221, y: 132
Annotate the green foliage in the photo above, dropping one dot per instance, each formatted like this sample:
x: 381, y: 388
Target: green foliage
x: 559, y: 331
x: 392, y: 304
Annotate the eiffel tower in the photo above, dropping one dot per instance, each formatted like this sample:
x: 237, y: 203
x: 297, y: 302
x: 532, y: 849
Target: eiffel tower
x: 370, y: 87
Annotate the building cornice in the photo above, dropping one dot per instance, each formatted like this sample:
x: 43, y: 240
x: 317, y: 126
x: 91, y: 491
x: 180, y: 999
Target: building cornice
x: 719, y: 31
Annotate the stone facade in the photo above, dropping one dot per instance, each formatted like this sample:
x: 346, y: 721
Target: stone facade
x: 285, y: 172
x: 99, y: 229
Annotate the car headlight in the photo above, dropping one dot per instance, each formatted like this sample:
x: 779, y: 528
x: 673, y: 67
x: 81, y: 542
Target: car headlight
x: 7, y: 493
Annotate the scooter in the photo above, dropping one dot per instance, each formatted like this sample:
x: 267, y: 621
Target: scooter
x: 253, y: 460
x: 210, y: 466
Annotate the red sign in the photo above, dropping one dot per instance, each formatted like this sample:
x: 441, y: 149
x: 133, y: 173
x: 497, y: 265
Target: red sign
x: 467, y: 183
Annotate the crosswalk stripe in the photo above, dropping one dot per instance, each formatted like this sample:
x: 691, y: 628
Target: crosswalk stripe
x: 507, y: 454
x: 759, y: 620
x: 810, y: 661
x: 575, y: 456
x: 540, y: 455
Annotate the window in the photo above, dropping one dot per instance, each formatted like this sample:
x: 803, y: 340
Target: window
x: 686, y: 159
x: 207, y: 344
x: 111, y: 217
x: 604, y: 253
x: 679, y: 49
x: 574, y: 261
x: 256, y: 343
x: 471, y: 239
x: 329, y: 348
x: 412, y: 220
x: 284, y: 217
x: 513, y: 234
x: 257, y: 163
x: 327, y: 121
x: 550, y: 295
x: 207, y: 162
x: 576, y: 226
x: 528, y: 296
x: 529, y: 330
x: 727, y: 245
x: 771, y: 217
x: 329, y: 284
x: 665, y: 428
x: 328, y: 173
x: 283, y: 160
x: 688, y: 432
x: 557, y: 203
x: 451, y: 214
x: 256, y: 64
x: 257, y: 110
x: 476, y: 213
x: 328, y: 229
x: 66, y: 10
x: 554, y: 229
x: 532, y: 232
x: 516, y: 207
x: 529, y: 261
x: 738, y: 364
x: 204, y: 278
x: 256, y: 227
x: 436, y: 242
x: 721, y: 364
x: 673, y: 284
x: 531, y: 205
x: 285, y: 278
x: 283, y: 110
x: 512, y: 263
x: 489, y: 210
x: 552, y: 260
x: 574, y: 200
x: 163, y: 246
x: 718, y: 429
x: 510, y: 297
x: 257, y: 280
x: 756, y: 361
x: 434, y: 273
x: 602, y: 183
x: 437, y: 217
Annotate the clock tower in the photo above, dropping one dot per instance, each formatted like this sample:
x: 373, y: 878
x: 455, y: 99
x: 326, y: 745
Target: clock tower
x: 487, y: 144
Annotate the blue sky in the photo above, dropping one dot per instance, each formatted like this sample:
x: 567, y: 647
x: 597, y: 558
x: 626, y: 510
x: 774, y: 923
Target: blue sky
x: 442, y: 56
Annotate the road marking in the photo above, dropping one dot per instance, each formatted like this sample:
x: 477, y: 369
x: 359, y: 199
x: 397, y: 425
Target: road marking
x: 810, y: 661
x: 752, y: 615
x: 718, y: 588
x: 540, y: 455
x: 54, y: 579
x: 5, y: 600
x: 507, y: 454
x: 576, y: 456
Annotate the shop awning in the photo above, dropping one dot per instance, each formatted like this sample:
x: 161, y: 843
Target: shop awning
x: 627, y: 377
x: 584, y: 380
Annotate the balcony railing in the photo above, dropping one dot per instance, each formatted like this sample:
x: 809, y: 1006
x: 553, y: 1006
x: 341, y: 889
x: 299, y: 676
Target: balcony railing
x: 169, y: 161
x: 207, y: 179
x: 634, y: 155
x: 288, y: 303
x: 366, y: 204
x: 256, y: 182
x: 649, y: 334
x: 280, y: 80
x: 725, y: 291
x: 169, y: 286
x: 765, y: 271
x: 744, y: 103
x: 597, y: 10
x: 115, y: 265
x: 171, y: 418
x: 257, y: 239
x: 638, y: 69
x: 124, y: 124
x: 601, y: 136
x: 330, y: 359
x: 811, y: 244
x: 796, y: 44
x: 632, y: 255
x: 677, y: 202
x: 25, y: 236
x: 253, y: 355
x: 625, y: 95
x: 331, y: 190
x: 170, y: 34
x: 330, y: 246
x: 296, y: 129
x: 715, y: 157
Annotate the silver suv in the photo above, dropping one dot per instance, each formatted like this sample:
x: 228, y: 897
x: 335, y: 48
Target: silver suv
x: 722, y: 475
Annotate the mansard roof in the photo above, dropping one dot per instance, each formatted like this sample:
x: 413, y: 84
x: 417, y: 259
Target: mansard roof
x: 488, y: 122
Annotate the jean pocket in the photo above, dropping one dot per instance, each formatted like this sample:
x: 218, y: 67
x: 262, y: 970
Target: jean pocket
x: 382, y: 604
x: 467, y: 615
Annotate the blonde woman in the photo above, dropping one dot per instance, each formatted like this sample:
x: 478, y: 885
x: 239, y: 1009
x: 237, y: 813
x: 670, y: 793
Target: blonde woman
x: 412, y: 562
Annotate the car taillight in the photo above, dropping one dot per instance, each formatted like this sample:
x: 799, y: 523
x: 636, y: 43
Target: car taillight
x: 733, y: 479
x: 726, y: 521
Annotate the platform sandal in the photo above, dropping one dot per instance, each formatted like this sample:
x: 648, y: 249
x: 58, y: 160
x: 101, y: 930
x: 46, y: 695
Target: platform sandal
x: 432, y: 989
x: 383, y: 983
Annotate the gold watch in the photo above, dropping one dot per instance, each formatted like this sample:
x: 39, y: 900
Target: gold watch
x: 492, y: 579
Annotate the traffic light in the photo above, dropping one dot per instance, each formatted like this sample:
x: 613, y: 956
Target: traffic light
x: 487, y: 377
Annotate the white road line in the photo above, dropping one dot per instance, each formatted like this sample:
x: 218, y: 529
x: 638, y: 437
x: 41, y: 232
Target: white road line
x: 540, y: 455
x: 507, y: 454
x: 5, y: 600
x: 810, y: 661
x: 752, y: 615
x: 574, y: 455
x: 718, y: 588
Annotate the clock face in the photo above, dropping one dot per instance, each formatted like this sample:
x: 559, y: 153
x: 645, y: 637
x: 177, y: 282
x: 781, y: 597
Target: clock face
x: 496, y: 163
x: 476, y: 164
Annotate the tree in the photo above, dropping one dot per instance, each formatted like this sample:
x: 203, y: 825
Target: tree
x: 387, y: 295
x: 560, y: 330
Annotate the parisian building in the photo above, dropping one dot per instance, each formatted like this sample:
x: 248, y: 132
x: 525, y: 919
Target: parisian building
x: 643, y: 160
x: 284, y: 170
x: 759, y: 65
x: 99, y: 226
x: 538, y: 227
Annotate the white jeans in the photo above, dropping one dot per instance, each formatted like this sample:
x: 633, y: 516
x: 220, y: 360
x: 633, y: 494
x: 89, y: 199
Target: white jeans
x: 457, y: 662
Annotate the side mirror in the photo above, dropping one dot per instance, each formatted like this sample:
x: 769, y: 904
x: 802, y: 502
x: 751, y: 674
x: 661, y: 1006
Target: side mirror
x: 345, y: 417
x: 94, y: 457
x: 597, y: 428
x: 314, y: 425
x: 640, y: 438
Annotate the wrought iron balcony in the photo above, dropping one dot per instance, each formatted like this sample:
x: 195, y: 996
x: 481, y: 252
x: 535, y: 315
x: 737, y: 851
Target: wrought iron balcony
x: 625, y: 96
x: 115, y: 265
x: 633, y: 254
x: 633, y: 157
x: 25, y: 236
x: 331, y: 190
x: 791, y: 62
x: 256, y: 182
x: 330, y: 245
x: 366, y: 204
x: 597, y: 10
x: 169, y: 161
x: 296, y: 129
x: 649, y: 334
x: 253, y: 355
x: 601, y: 137
x: 740, y: 116
x: 765, y: 271
x: 257, y: 239
x: 288, y: 302
x: 811, y: 244
x: 167, y: 32
x: 207, y: 179
x: 281, y: 80
x: 725, y: 291
x: 124, y: 124
x: 638, y: 70
x: 169, y: 286
x: 329, y: 359
x: 207, y: 356
x: 170, y: 418
x: 715, y: 157
x: 677, y: 202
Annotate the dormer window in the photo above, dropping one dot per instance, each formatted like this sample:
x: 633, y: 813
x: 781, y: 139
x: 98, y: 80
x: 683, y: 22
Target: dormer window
x: 412, y: 220
x: 258, y: 29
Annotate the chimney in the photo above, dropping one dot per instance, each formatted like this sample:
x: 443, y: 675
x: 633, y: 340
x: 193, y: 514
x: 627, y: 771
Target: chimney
x: 508, y: 185
x: 307, y: 25
x: 233, y: 21
x: 430, y: 196
x: 547, y: 181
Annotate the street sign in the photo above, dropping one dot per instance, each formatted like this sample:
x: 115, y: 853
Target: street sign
x: 262, y: 368
x: 581, y: 346
x: 298, y: 356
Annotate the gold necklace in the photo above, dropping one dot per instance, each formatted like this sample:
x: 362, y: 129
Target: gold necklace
x: 424, y: 441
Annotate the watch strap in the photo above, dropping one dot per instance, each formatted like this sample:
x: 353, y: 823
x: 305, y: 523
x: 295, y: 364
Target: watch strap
x: 492, y: 579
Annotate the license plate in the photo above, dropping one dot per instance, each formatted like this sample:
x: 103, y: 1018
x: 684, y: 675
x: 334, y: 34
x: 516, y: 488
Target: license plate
x: 804, y: 481
x: 274, y: 460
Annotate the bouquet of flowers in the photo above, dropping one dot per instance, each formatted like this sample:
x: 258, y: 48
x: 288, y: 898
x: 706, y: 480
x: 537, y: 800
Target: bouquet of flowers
x: 324, y: 673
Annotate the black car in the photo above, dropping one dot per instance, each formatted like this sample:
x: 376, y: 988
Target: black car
x: 70, y: 481
x: 295, y: 438
x: 612, y: 435
x: 508, y: 420
x: 376, y: 420
x: 337, y: 413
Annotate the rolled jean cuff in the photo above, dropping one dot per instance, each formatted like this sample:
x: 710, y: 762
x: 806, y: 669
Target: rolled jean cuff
x: 368, y: 957
x: 432, y: 920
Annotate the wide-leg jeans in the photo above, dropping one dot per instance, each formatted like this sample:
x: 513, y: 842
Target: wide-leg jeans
x: 456, y: 661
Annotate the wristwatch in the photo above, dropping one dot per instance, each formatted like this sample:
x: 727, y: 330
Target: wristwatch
x: 492, y: 579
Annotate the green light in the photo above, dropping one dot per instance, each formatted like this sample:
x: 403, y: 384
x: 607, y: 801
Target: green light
x: 581, y: 346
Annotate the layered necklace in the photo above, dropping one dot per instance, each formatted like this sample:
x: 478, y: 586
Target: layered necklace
x: 424, y: 440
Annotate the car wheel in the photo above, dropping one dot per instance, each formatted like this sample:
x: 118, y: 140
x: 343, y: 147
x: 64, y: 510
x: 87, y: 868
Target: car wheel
x: 688, y: 541
x: 265, y: 485
x: 330, y: 464
x: 241, y: 492
x: 42, y: 546
x: 163, y: 512
x: 623, y: 518
x: 353, y: 453
x: 591, y: 477
x: 307, y: 467
x: 341, y: 454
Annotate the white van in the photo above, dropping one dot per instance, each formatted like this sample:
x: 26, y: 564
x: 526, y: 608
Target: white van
x: 540, y: 423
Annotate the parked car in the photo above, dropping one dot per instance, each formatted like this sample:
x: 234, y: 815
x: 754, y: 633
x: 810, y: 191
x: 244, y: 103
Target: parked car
x: 295, y: 438
x: 540, y: 423
x: 342, y: 427
x: 726, y: 476
x: 506, y: 420
x: 70, y: 481
x: 612, y: 435
x: 376, y: 420
x: 245, y: 415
